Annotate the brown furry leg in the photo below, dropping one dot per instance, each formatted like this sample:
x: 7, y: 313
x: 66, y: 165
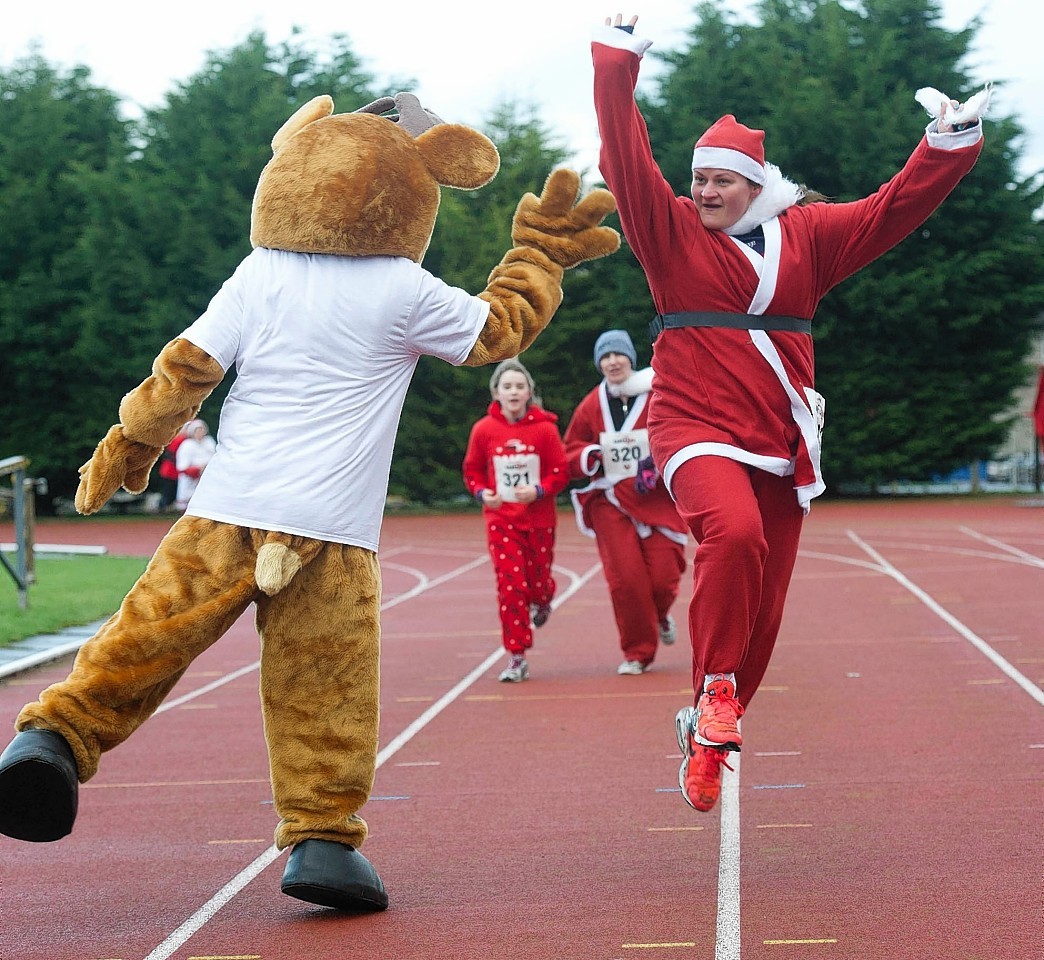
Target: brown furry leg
x: 320, y: 679
x: 197, y: 584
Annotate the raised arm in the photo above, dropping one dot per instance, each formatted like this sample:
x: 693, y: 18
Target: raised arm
x: 860, y: 231
x: 645, y: 200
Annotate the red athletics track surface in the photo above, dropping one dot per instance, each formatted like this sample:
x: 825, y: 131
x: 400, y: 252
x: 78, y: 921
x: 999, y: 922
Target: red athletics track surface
x: 888, y: 805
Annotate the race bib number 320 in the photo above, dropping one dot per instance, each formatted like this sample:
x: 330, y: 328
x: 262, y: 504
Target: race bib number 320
x: 621, y: 451
x: 519, y: 470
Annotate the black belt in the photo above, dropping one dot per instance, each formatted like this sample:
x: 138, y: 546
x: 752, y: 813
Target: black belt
x: 735, y: 321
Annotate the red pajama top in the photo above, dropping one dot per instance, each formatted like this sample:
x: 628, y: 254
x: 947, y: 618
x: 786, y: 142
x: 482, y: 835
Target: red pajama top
x: 536, y: 432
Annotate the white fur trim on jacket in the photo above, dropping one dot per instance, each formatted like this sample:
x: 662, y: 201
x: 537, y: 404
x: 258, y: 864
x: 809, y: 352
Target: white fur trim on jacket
x: 638, y: 382
x: 621, y: 39
x: 777, y: 195
x: 974, y: 108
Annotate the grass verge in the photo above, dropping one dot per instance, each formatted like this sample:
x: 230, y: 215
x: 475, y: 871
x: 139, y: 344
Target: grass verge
x: 68, y: 591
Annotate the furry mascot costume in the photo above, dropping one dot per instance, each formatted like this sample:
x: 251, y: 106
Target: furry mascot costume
x: 324, y: 321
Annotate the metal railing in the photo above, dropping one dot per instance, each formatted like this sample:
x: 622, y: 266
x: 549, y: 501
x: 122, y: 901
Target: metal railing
x: 23, y: 509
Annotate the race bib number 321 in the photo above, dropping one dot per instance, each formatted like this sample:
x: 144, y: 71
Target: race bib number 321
x: 519, y: 470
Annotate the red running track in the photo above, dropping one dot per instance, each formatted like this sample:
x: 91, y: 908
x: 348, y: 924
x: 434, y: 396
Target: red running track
x: 888, y: 804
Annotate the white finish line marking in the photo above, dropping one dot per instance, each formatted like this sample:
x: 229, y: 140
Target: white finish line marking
x: 727, y: 932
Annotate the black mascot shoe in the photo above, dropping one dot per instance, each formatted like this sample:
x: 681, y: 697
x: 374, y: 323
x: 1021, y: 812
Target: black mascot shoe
x: 333, y: 875
x: 38, y: 787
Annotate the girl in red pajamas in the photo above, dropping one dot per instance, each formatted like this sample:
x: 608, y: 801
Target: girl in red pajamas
x: 736, y: 272
x: 515, y: 465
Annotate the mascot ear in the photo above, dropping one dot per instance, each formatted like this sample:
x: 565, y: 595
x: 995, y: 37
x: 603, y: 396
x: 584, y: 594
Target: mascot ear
x: 315, y: 109
x: 457, y: 156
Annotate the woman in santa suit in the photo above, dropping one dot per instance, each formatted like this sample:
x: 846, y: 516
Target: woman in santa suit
x: 736, y: 272
x: 641, y: 539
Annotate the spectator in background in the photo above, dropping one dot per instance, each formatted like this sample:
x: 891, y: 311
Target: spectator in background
x: 194, y: 453
x: 168, y: 471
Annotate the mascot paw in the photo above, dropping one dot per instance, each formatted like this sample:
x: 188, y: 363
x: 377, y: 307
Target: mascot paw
x: 116, y: 462
x: 567, y: 232
x: 333, y: 875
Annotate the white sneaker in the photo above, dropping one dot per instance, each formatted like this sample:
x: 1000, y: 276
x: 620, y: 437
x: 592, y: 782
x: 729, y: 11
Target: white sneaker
x: 668, y: 631
x: 516, y: 671
x: 630, y: 668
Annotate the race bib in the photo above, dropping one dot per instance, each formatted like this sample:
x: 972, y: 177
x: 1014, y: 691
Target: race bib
x: 621, y: 452
x: 514, y: 471
x: 817, y: 404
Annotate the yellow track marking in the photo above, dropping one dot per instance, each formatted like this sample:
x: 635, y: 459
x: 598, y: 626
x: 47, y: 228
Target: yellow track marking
x: 259, y: 840
x: 168, y: 783
x: 647, y: 946
x: 577, y: 696
x: 786, y: 942
x: 672, y: 829
x: 781, y: 826
x: 437, y: 635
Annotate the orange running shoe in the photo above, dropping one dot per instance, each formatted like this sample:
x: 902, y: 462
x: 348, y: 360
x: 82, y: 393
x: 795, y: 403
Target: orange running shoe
x: 717, y: 715
x: 699, y: 776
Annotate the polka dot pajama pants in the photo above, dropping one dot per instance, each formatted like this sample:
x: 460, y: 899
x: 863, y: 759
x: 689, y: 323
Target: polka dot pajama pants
x: 522, y: 559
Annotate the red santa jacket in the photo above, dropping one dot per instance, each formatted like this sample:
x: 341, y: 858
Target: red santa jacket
x: 168, y: 468
x: 536, y: 433
x: 743, y: 393
x: 583, y: 451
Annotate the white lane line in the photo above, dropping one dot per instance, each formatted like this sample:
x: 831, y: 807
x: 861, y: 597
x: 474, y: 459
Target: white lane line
x: 911, y: 547
x: 727, y: 934
x: 424, y: 585
x: 215, y: 903
x: 444, y: 701
x: 1029, y: 558
x: 213, y: 685
x: 838, y: 558
x: 205, y: 913
x: 973, y: 638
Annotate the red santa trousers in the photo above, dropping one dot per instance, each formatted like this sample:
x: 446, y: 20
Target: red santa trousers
x: 522, y: 558
x: 642, y: 575
x: 747, y: 524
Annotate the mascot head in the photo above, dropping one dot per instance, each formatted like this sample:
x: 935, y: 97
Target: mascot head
x: 365, y: 183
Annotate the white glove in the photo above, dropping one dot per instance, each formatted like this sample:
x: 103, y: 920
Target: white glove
x: 969, y: 112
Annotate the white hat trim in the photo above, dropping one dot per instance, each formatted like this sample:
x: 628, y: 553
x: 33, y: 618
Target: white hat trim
x: 723, y: 158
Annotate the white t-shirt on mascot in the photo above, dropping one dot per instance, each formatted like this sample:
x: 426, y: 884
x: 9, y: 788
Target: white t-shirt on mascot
x: 325, y: 348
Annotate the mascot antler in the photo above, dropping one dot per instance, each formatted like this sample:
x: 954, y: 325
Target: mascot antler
x: 412, y: 117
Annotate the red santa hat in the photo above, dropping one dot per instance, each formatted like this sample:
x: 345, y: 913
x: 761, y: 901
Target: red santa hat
x: 729, y: 145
